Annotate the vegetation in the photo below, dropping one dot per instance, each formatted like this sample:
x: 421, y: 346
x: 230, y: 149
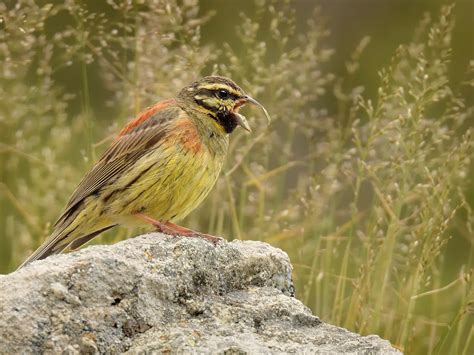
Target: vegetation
x: 369, y: 194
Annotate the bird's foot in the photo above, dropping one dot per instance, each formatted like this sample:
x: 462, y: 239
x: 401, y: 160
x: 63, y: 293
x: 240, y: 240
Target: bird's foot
x: 175, y: 230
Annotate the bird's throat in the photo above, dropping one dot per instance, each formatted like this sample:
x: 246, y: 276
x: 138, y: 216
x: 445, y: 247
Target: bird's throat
x: 227, y: 120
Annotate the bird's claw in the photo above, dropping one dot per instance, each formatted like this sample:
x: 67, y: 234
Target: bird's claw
x: 210, y: 238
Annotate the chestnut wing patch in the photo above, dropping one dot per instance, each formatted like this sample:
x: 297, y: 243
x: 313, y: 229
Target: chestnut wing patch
x: 127, y: 148
x: 146, y: 115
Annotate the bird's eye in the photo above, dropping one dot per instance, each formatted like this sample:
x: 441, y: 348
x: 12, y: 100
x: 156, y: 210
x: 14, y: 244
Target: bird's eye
x: 223, y: 94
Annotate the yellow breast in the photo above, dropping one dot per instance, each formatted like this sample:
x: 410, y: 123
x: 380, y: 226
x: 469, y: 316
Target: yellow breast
x: 173, y: 179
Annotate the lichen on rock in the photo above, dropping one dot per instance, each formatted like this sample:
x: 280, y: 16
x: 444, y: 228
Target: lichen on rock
x: 156, y: 293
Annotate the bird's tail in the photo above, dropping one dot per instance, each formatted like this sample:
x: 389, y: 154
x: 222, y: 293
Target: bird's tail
x: 60, y: 240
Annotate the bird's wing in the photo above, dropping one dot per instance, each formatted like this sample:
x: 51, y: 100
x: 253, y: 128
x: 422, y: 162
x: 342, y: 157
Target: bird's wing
x: 137, y: 138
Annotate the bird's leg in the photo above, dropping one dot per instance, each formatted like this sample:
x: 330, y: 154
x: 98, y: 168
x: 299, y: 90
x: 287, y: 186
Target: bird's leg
x: 186, y: 232
x: 175, y: 230
x: 160, y: 226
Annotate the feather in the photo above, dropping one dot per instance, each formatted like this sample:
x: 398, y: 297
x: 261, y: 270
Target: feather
x: 139, y: 137
x: 128, y: 147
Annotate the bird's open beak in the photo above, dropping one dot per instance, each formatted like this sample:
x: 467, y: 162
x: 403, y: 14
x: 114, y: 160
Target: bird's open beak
x: 255, y: 102
x: 241, y: 120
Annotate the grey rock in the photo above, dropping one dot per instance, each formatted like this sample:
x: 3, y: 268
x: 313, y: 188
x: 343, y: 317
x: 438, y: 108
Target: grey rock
x: 154, y: 294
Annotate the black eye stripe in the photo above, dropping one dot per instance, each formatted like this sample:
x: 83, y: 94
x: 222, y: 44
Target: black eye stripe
x: 206, y: 106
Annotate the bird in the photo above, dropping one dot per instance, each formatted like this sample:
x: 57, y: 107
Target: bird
x: 158, y: 169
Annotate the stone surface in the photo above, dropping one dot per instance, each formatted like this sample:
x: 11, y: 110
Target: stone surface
x: 156, y: 293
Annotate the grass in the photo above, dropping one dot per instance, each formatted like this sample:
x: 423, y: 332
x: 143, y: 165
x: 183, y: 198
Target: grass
x: 370, y: 195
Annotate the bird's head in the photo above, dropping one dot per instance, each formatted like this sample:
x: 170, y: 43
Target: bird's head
x: 220, y: 99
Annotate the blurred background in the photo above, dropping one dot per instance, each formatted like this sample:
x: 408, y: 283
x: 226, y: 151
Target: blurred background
x: 364, y: 177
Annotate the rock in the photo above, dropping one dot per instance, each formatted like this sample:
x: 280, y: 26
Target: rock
x: 156, y: 293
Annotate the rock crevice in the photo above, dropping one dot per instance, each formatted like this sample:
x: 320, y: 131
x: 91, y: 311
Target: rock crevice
x: 165, y: 294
